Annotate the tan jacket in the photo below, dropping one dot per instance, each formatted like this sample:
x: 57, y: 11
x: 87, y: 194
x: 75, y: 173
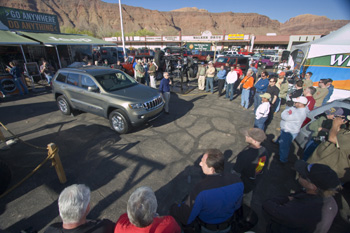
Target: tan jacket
x: 211, y: 72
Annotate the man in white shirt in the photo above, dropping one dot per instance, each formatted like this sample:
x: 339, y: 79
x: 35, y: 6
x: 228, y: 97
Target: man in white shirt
x: 292, y: 119
x: 231, y: 78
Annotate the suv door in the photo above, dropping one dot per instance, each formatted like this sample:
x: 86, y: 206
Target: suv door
x: 73, y: 91
x: 91, y: 100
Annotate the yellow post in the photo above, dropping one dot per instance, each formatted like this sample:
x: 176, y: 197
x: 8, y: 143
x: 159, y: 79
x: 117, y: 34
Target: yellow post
x: 56, y: 162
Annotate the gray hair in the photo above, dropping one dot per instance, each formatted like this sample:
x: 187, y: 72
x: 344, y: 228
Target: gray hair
x: 142, y: 207
x: 73, y: 202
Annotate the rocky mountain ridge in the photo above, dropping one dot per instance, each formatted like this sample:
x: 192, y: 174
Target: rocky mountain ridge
x: 103, y: 19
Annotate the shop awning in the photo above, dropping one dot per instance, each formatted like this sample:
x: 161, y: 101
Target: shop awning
x: 10, y: 38
x: 64, y: 39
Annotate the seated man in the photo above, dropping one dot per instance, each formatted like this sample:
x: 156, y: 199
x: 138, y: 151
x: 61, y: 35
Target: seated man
x: 309, y: 211
x: 213, y: 200
x: 74, y: 206
x: 252, y: 162
x: 141, y: 215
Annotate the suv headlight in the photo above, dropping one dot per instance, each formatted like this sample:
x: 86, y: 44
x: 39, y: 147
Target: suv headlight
x: 136, y: 106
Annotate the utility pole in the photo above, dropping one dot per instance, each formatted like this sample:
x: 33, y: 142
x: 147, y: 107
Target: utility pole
x: 122, y: 28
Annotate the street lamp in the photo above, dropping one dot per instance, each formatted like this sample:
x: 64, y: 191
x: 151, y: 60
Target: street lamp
x: 122, y: 28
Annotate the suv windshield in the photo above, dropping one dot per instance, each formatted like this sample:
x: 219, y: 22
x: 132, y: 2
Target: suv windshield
x: 221, y: 60
x: 115, y: 81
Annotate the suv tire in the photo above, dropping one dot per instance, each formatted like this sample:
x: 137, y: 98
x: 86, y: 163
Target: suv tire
x: 63, y: 105
x: 119, y: 122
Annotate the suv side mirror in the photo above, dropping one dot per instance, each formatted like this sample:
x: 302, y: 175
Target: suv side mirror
x: 93, y: 89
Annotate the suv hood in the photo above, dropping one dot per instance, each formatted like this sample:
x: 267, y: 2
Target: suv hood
x: 137, y: 93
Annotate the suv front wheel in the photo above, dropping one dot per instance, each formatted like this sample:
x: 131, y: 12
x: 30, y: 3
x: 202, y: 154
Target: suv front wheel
x: 63, y: 105
x: 119, y: 121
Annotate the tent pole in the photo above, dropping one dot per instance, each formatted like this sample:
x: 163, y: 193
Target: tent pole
x: 58, y: 57
x: 24, y: 56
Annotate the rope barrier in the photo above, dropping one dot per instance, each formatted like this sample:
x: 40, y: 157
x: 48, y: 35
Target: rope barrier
x: 52, y: 154
x: 29, y: 144
x: 29, y: 175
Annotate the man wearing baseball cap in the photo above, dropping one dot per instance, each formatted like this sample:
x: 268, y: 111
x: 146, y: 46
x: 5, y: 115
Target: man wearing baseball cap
x: 262, y: 112
x: 251, y: 163
x: 312, y: 210
x: 292, y: 119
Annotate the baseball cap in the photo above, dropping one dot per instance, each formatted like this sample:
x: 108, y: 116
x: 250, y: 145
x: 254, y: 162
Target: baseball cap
x: 282, y: 73
x: 336, y: 111
x: 255, y: 133
x: 300, y: 99
x: 266, y: 95
x: 320, y: 175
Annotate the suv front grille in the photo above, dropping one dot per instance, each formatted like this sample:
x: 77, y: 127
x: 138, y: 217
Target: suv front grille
x: 155, y: 103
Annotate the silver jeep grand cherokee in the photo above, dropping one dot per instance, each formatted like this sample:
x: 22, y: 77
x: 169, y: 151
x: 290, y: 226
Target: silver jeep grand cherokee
x: 106, y: 92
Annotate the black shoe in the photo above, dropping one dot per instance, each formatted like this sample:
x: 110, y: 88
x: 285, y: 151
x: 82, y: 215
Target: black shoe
x: 166, y: 113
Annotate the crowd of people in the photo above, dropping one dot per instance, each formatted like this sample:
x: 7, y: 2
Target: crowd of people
x: 216, y: 202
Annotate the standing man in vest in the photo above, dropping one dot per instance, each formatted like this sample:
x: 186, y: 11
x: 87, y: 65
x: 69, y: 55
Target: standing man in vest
x: 210, y: 78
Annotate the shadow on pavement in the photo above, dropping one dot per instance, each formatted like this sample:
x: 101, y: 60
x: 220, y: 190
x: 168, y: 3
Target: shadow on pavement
x: 89, y: 154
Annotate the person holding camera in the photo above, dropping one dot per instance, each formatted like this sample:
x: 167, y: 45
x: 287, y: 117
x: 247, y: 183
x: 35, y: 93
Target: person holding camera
x: 47, y: 70
x: 320, y: 129
x: 335, y: 151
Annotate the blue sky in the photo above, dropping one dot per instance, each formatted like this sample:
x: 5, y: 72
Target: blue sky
x: 280, y: 10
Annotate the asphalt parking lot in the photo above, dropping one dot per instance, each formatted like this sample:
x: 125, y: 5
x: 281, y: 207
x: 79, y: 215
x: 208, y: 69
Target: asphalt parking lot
x: 163, y: 155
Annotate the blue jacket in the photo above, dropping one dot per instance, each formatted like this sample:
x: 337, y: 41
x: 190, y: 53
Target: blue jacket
x: 213, y: 200
x: 261, y: 85
x: 222, y: 74
x: 328, y: 96
x: 164, y: 85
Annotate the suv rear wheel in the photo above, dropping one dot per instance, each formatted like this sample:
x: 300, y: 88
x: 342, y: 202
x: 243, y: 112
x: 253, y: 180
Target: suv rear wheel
x: 119, y: 121
x: 63, y: 105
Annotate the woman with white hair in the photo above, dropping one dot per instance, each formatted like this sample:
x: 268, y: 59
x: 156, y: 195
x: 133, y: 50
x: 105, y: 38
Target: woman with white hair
x: 74, y: 206
x: 141, y: 215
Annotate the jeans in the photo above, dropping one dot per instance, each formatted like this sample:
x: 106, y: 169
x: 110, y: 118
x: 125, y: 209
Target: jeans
x: 210, y: 82
x: 147, y: 79
x: 310, y: 147
x: 257, y: 100
x: 19, y: 84
x: 278, y: 104
x: 245, y: 98
x: 285, y: 140
x: 166, y: 96
x: 229, y: 90
x: 48, y: 77
x: 260, y: 123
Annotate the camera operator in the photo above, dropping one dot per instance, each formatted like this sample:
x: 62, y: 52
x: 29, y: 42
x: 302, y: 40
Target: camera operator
x: 320, y: 129
x: 335, y: 152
